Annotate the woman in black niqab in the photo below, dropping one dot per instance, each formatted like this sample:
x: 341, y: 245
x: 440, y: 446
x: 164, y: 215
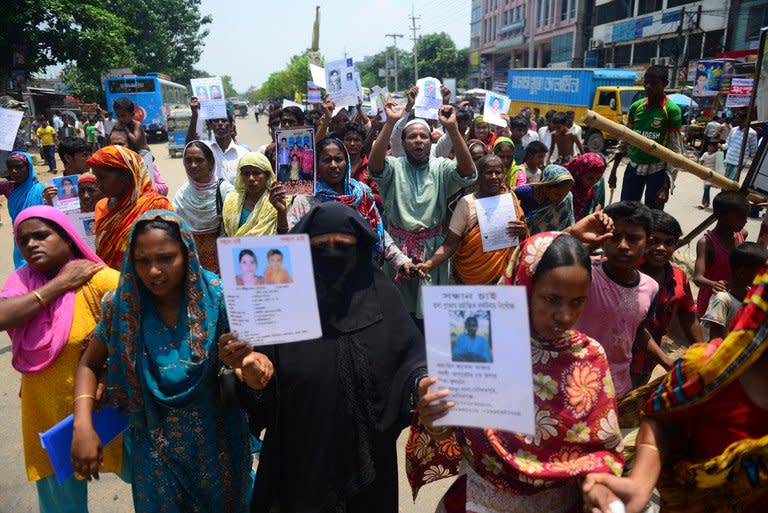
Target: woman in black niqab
x: 336, y: 405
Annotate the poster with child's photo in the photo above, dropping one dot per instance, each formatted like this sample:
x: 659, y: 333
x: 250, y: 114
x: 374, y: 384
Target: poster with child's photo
x: 471, y: 336
x: 66, y: 193
x: 295, y: 160
x: 264, y: 279
x: 496, y: 105
x: 85, y: 224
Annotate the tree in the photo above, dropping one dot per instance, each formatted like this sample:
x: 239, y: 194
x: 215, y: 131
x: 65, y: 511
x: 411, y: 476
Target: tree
x: 229, y: 89
x: 369, y: 72
x: 286, y: 82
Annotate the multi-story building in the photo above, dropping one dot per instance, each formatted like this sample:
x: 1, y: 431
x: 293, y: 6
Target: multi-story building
x: 635, y: 33
x: 747, y: 17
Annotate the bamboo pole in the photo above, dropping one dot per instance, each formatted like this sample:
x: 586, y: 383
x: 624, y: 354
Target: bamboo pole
x: 595, y: 120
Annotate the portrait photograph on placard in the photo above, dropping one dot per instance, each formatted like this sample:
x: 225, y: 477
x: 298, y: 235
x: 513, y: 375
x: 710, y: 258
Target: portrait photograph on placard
x: 471, y: 336
x: 295, y: 160
x: 262, y: 266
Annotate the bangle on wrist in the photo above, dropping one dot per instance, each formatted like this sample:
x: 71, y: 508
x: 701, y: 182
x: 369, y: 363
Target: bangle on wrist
x: 83, y: 396
x: 39, y: 297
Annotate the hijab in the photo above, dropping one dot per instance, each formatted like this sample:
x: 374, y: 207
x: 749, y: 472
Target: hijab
x: 196, y: 202
x: 22, y: 196
x: 356, y: 195
x: 39, y: 341
x: 512, y: 175
x: 113, y: 227
x: 548, y: 216
x: 263, y: 218
x: 578, y: 167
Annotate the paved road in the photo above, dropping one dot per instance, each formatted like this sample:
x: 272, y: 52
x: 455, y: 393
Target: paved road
x: 113, y: 496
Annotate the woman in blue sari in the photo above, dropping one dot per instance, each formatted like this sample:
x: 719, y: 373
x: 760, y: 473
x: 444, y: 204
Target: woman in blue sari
x: 22, y: 189
x: 157, y: 337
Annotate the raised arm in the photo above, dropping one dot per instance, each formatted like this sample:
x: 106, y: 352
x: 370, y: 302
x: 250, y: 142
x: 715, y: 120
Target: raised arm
x: 464, y: 162
x: 325, y: 119
x: 379, y: 149
x: 194, y: 105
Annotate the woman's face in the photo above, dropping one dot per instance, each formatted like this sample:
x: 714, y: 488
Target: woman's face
x: 248, y: 265
x: 196, y: 165
x: 159, y: 262
x: 275, y: 261
x: 254, y: 178
x: 590, y: 178
x: 18, y: 170
x: 67, y: 187
x: 506, y: 154
x: 114, y: 183
x: 332, y: 165
x: 482, y: 131
x: 491, y: 178
x: 557, y: 193
x: 42, y: 247
x: 557, y: 300
x: 89, y: 194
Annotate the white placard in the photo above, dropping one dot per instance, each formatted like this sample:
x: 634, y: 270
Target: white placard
x: 429, y: 100
x: 450, y: 83
x: 379, y: 101
x: 210, y: 92
x: 9, y: 126
x: 493, y: 215
x: 67, y: 199
x: 340, y: 79
x: 359, y: 86
x: 269, y: 288
x: 489, y: 373
x: 85, y: 224
x: 495, y: 105
x: 318, y: 76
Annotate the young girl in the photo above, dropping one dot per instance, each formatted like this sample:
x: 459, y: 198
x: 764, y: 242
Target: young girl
x: 577, y: 428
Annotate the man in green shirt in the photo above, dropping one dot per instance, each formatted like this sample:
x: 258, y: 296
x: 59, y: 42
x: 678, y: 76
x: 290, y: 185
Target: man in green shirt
x: 660, y: 120
x: 415, y: 189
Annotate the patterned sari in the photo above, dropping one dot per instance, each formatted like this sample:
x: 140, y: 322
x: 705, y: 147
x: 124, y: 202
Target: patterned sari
x: 190, y: 453
x: 114, y: 222
x: 546, y: 216
x: 577, y: 428
x: 736, y: 480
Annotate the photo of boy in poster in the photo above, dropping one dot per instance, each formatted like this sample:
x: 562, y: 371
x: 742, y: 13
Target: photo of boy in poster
x: 296, y: 159
x: 469, y: 342
x: 215, y: 93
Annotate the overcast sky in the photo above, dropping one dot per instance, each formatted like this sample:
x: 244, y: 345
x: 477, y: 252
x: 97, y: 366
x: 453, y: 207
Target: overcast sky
x: 251, y: 39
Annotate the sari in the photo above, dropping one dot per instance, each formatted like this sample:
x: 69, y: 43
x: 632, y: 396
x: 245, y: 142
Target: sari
x: 190, y: 453
x: 577, y: 428
x: 514, y: 176
x: 585, y: 200
x: 263, y: 218
x: 24, y: 195
x: 114, y: 222
x: 736, y: 479
x: 542, y: 217
x: 474, y: 266
x: 46, y: 349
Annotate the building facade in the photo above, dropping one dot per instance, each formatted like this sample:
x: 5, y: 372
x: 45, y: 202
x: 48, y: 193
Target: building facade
x: 747, y: 17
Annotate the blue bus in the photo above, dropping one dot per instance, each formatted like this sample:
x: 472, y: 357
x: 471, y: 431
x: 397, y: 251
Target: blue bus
x: 154, y: 96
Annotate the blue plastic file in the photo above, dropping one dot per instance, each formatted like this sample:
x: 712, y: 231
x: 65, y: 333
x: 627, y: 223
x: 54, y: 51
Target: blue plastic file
x: 57, y: 441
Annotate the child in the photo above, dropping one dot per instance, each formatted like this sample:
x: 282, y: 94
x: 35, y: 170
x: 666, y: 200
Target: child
x: 620, y: 296
x: 674, y: 296
x: 535, y: 154
x: 574, y: 404
x: 124, y: 109
x: 518, y: 128
x: 275, y: 274
x: 563, y: 139
x: 712, y: 159
x: 745, y: 260
x: 712, y: 270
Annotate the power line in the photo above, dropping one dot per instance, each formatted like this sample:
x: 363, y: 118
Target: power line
x: 415, y: 40
x: 394, y: 42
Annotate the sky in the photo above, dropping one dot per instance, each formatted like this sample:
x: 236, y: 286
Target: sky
x: 250, y: 39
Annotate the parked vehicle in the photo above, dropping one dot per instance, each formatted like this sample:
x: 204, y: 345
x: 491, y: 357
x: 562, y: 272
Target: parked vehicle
x: 178, y: 124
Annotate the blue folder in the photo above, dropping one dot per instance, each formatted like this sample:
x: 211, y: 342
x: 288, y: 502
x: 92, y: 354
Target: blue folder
x: 57, y: 441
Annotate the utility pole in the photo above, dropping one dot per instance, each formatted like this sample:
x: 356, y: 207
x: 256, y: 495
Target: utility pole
x: 394, y: 41
x: 680, y: 43
x: 529, y: 20
x: 415, y: 40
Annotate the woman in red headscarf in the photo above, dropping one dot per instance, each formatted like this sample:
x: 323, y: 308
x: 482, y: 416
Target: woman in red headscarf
x: 122, y: 176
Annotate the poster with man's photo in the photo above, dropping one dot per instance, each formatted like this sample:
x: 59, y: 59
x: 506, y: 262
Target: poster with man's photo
x: 340, y: 82
x: 66, y: 198
x: 429, y: 100
x: 210, y: 92
x: 295, y: 160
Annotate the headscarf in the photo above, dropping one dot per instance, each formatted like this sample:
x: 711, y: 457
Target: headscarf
x: 491, y: 134
x: 546, y: 216
x: 86, y: 178
x: 195, y: 202
x: 513, y: 176
x: 39, y: 341
x: 22, y: 196
x: 356, y: 195
x: 472, y: 142
x: 139, y: 377
x: 581, y: 165
x: 577, y: 428
x: 113, y: 227
x: 263, y: 218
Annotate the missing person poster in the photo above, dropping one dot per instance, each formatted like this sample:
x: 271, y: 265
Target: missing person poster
x: 66, y: 199
x: 495, y: 105
x: 378, y: 102
x: 313, y: 93
x: 210, y: 92
x: 340, y: 82
x: 478, y: 346
x: 295, y: 160
x: 10, y: 120
x: 269, y: 288
x: 429, y: 100
x: 85, y: 224
x: 493, y: 215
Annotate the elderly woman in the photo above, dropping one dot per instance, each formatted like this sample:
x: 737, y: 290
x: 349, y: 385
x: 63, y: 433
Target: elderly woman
x: 121, y: 174
x: 88, y: 192
x: 548, y: 203
x: 22, y: 190
x: 333, y: 416
x: 200, y: 201
x: 48, y: 307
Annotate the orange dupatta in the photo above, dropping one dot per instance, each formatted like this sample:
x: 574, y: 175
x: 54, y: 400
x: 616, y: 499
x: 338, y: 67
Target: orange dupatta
x: 114, y: 224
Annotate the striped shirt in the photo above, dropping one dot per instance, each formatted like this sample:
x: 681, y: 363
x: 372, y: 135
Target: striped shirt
x: 734, y: 142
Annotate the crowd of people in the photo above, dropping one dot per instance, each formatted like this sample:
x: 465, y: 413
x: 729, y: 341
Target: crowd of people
x: 138, y: 322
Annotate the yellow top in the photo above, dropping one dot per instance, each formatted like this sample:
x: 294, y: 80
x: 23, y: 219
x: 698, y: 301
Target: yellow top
x: 46, y: 397
x: 46, y: 135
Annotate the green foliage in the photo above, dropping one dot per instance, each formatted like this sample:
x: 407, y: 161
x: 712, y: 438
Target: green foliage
x: 284, y: 83
x: 229, y: 89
